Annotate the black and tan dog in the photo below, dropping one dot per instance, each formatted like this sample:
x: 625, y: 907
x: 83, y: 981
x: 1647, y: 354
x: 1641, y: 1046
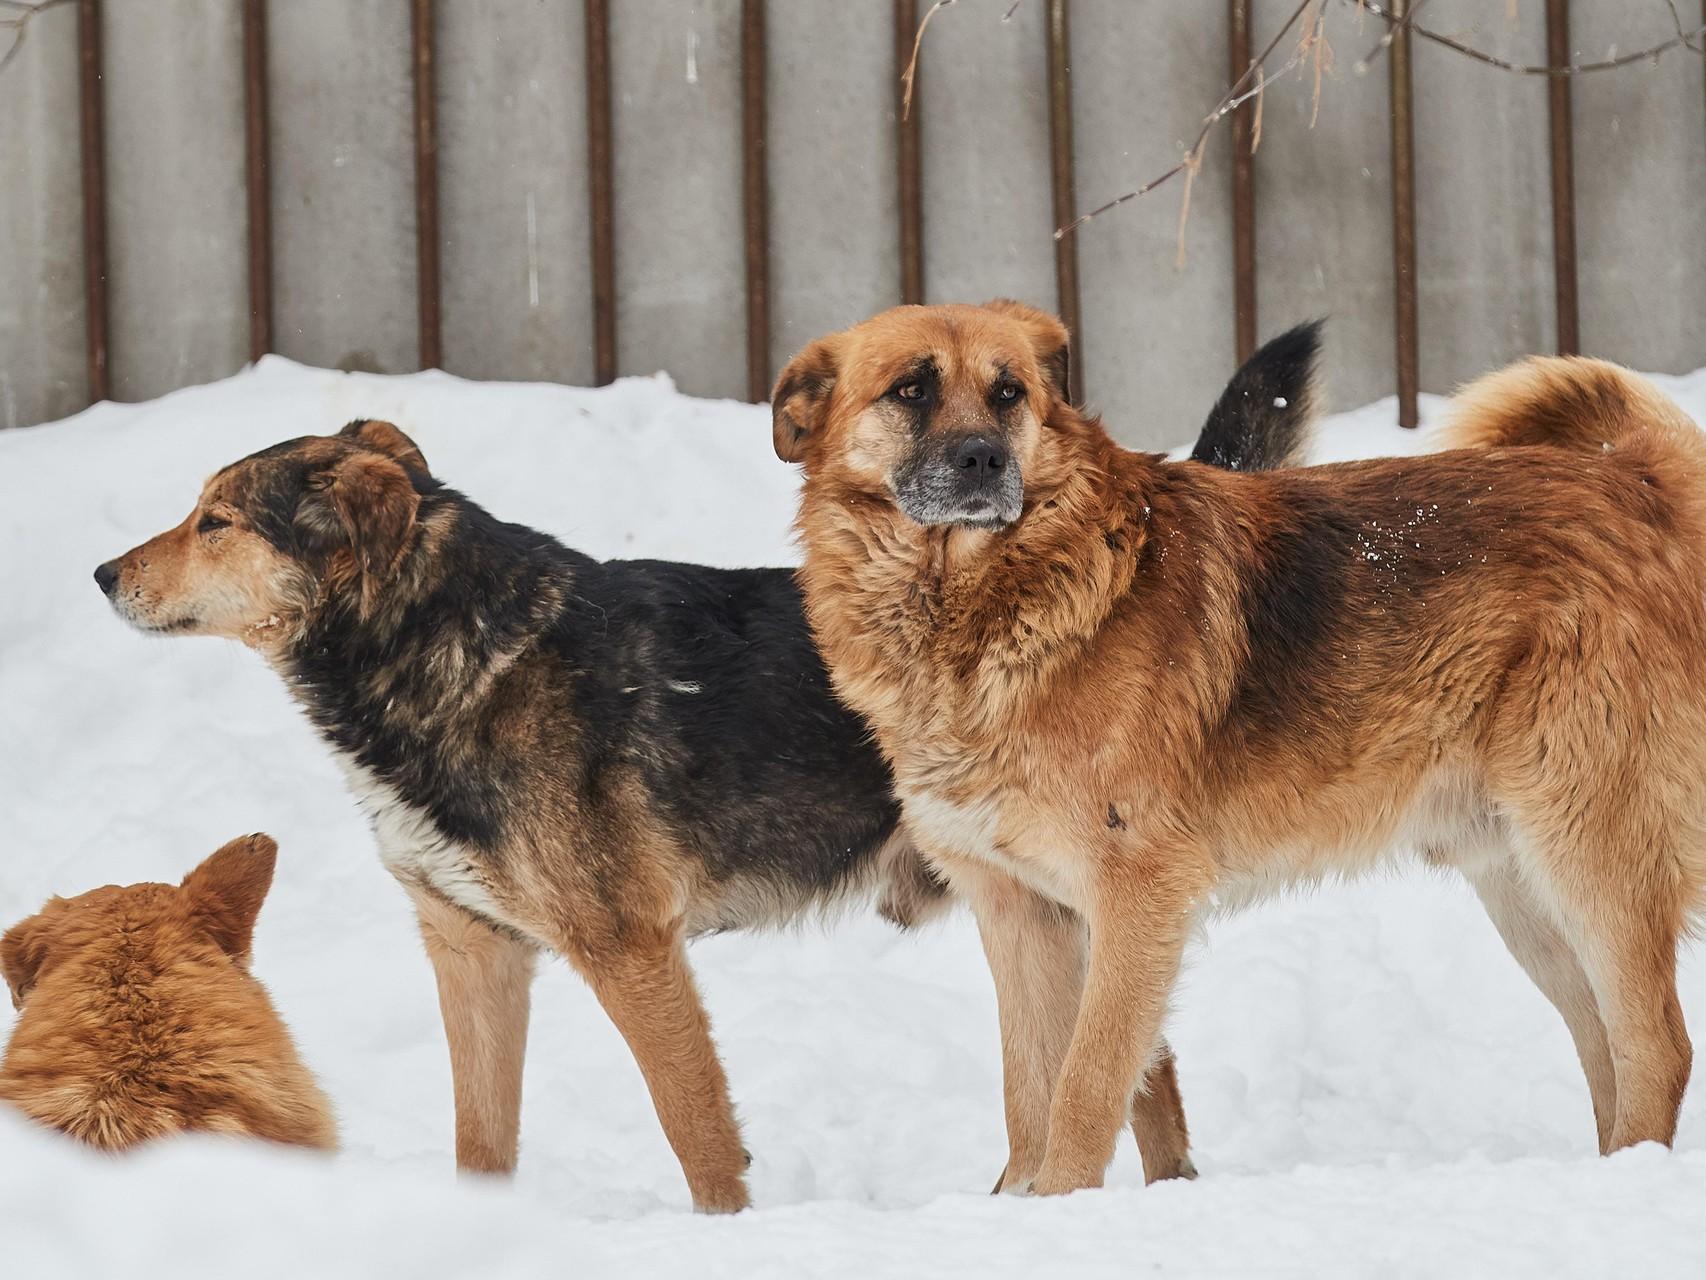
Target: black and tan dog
x: 1138, y: 688
x: 597, y: 759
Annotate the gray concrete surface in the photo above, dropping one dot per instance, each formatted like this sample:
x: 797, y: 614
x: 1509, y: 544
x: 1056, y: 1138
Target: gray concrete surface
x: 42, y: 374
x: 513, y: 190
x: 1157, y: 337
x: 343, y: 171
x: 176, y: 223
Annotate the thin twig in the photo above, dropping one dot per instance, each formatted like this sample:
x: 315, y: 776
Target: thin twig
x: 1256, y: 117
x: 1314, y: 43
x: 1682, y: 40
x: 1193, y: 166
x: 911, y: 71
x: 20, y: 25
x: 1239, y: 94
x: 1403, y: 24
x: 1228, y: 103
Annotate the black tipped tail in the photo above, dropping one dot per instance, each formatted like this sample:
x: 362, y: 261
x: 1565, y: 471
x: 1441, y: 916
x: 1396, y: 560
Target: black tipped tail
x: 1262, y: 419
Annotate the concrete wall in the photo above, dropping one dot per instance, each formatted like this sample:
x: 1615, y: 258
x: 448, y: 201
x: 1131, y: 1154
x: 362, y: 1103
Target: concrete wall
x: 1157, y: 339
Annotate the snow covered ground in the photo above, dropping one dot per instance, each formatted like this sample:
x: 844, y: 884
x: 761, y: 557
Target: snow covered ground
x: 1374, y: 1088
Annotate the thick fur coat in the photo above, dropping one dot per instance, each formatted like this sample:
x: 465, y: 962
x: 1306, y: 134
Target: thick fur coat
x: 1160, y: 687
x: 139, y: 1018
x: 596, y: 759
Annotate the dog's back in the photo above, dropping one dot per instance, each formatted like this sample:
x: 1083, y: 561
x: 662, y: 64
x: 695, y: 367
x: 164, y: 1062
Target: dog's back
x: 139, y: 1019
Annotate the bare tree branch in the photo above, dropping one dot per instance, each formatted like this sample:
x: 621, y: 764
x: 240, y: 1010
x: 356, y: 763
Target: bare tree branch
x: 1229, y: 102
x: 1313, y: 45
x: 1683, y: 39
x: 1408, y: 20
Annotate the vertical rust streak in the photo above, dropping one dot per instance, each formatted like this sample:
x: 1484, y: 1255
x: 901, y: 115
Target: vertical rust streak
x: 1404, y: 222
x: 426, y: 188
x: 1065, y: 195
x: 93, y: 149
x: 1243, y: 186
x: 755, y: 192
x: 601, y: 190
x: 256, y: 160
x: 1558, y: 113
x: 909, y: 157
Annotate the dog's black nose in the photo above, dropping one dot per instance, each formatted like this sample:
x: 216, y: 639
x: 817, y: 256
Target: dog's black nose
x: 978, y: 457
x: 106, y: 577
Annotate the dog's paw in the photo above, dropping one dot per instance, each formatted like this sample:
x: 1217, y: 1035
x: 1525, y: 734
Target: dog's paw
x: 1060, y: 1182
x: 724, y: 1197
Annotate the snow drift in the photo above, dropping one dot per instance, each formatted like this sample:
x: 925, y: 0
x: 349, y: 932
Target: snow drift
x: 1373, y: 1086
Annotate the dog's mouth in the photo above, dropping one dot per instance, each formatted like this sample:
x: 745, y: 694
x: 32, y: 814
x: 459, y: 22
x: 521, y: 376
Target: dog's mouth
x: 157, y: 626
x: 933, y: 498
x: 172, y: 627
x: 969, y: 515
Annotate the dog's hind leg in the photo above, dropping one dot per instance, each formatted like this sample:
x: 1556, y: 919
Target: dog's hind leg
x: 1158, y: 1121
x: 1601, y: 850
x: 1548, y: 959
x: 484, y: 981
x: 641, y: 978
x: 1628, y: 948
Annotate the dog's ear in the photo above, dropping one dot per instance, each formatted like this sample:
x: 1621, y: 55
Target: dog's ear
x: 385, y: 438
x: 800, y: 402
x: 226, y: 891
x: 23, y: 951
x: 1049, y: 338
x: 365, y: 504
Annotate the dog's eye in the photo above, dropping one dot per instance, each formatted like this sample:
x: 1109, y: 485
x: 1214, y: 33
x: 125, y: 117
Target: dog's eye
x: 1008, y: 392
x: 210, y: 523
x: 910, y: 390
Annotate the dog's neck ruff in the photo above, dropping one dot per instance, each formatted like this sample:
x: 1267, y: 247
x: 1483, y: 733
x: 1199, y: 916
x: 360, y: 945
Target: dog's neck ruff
x: 403, y: 692
x: 971, y: 623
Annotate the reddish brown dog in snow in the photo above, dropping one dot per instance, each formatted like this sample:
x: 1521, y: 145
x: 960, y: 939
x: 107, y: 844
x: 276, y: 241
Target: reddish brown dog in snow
x: 1118, y: 690
x: 138, y: 1017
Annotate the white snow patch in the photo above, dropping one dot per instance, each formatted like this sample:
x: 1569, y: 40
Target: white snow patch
x: 1373, y: 1087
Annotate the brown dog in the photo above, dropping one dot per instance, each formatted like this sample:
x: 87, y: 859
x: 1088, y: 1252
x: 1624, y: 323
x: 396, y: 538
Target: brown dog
x: 1140, y: 688
x: 139, y: 1018
x: 600, y: 759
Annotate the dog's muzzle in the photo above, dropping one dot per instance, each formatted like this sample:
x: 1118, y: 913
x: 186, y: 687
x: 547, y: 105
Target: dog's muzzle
x: 970, y: 480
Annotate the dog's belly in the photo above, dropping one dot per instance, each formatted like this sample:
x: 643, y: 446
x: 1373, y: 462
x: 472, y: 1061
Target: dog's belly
x: 414, y: 849
x: 949, y: 829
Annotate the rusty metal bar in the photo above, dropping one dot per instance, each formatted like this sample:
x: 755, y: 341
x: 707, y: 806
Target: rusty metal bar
x: 257, y: 174
x: 1404, y: 220
x: 1243, y: 186
x: 601, y: 190
x: 1065, y: 194
x: 909, y: 156
x: 1558, y: 115
x: 93, y: 150
x: 755, y: 199
x: 426, y: 187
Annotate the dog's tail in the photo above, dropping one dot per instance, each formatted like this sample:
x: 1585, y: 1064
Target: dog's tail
x: 1571, y: 402
x: 1262, y: 419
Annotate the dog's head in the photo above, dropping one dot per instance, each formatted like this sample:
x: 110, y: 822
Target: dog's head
x: 217, y: 903
x: 943, y: 410
x: 275, y: 534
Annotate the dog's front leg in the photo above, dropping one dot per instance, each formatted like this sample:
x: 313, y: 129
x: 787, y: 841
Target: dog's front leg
x: 484, y: 990
x: 1035, y: 950
x: 1140, y: 916
x: 641, y: 978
